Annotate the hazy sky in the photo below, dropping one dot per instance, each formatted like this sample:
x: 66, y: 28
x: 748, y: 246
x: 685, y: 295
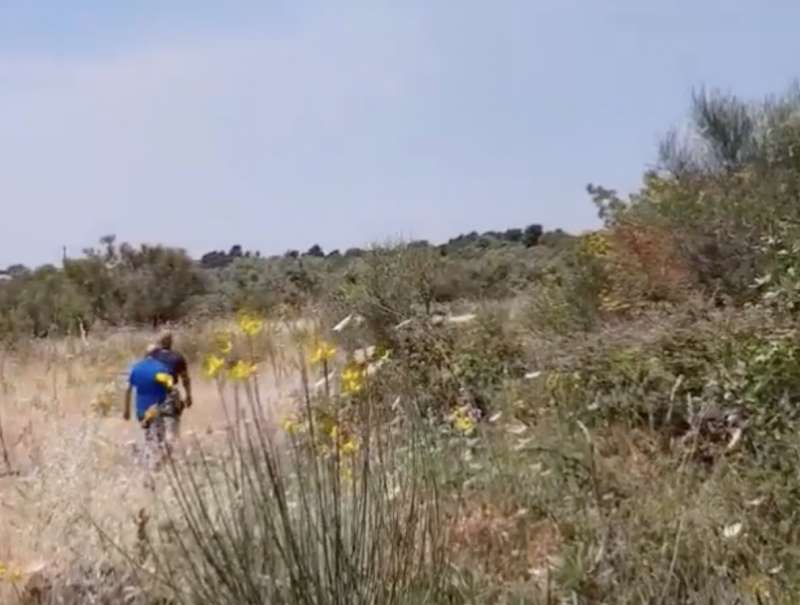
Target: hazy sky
x: 278, y: 124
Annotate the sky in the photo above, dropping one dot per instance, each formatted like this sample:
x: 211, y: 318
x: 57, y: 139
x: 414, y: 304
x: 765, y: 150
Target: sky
x: 277, y: 124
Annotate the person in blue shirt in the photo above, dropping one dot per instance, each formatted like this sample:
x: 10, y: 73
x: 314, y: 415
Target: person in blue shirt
x: 153, y: 383
x: 149, y: 390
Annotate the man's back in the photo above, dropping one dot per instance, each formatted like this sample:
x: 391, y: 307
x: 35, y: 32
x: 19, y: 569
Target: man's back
x: 176, y: 363
x: 148, y: 390
x: 172, y: 359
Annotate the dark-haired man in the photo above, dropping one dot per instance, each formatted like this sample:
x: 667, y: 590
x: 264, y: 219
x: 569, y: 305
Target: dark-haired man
x: 176, y: 363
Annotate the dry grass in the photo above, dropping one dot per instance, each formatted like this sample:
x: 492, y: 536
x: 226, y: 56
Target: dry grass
x: 70, y: 451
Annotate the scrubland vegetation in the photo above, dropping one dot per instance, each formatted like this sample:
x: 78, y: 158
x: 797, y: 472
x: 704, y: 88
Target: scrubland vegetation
x: 522, y: 417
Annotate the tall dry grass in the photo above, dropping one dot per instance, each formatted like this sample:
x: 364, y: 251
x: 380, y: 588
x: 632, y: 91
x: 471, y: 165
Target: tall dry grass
x: 244, y: 511
x: 68, y: 461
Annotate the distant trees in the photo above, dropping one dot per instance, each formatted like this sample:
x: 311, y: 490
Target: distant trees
x: 532, y: 235
x: 17, y: 270
x: 158, y: 282
x: 217, y: 259
x: 315, y: 251
x: 48, y: 301
x: 118, y: 284
x: 528, y: 236
x: 115, y: 285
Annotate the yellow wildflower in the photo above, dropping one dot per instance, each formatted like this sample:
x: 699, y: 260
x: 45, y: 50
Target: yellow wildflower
x: 291, y: 425
x: 242, y: 370
x: 11, y: 574
x: 212, y: 365
x: 352, y: 379
x: 250, y: 325
x: 463, y: 421
x: 165, y: 379
x: 596, y: 244
x: 324, y: 352
x: 348, y: 447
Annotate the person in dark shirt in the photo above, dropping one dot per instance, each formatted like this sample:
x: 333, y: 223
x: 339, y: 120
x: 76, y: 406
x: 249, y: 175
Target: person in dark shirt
x: 152, y: 382
x: 176, y: 363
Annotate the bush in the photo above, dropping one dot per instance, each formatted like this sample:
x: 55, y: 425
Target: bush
x: 336, y: 508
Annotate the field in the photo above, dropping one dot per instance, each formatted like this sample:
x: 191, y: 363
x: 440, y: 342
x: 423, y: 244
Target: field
x: 70, y: 455
x: 547, y: 493
x: 511, y: 418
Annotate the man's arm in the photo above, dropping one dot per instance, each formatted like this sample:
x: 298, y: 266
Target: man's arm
x: 183, y: 374
x: 126, y: 413
x: 187, y: 385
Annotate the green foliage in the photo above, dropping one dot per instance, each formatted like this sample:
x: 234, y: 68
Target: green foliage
x: 721, y: 189
x: 148, y: 285
x: 567, y: 297
x: 779, y: 283
x: 94, y: 277
x: 389, y: 285
x: 158, y: 284
x: 118, y: 284
x: 487, y: 352
x: 42, y: 303
x: 708, y: 372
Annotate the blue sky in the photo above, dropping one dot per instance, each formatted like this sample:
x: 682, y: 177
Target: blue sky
x: 277, y: 125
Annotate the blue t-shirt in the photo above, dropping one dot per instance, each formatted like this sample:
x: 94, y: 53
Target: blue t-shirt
x: 148, y: 390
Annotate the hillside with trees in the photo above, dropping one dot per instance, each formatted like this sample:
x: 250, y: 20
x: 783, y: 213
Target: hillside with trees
x: 116, y: 284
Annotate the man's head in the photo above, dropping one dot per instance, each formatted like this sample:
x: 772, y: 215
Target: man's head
x: 165, y: 340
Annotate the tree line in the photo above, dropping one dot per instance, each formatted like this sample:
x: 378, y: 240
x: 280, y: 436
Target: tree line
x: 118, y: 284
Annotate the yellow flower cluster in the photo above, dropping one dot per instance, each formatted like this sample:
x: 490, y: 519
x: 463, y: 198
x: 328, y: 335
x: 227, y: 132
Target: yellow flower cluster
x: 595, y: 244
x: 219, y: 360
x: 353, y: 379
x: 9, y: 573
x: 323, y: 353
x: 212, y: 365
x: 346, y: 443
x: 334, y: 435
x: 292, y: 425
x: 348, y: 447
x: 242, y: 370
x: 250, y: 325
x: 463, y: 421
